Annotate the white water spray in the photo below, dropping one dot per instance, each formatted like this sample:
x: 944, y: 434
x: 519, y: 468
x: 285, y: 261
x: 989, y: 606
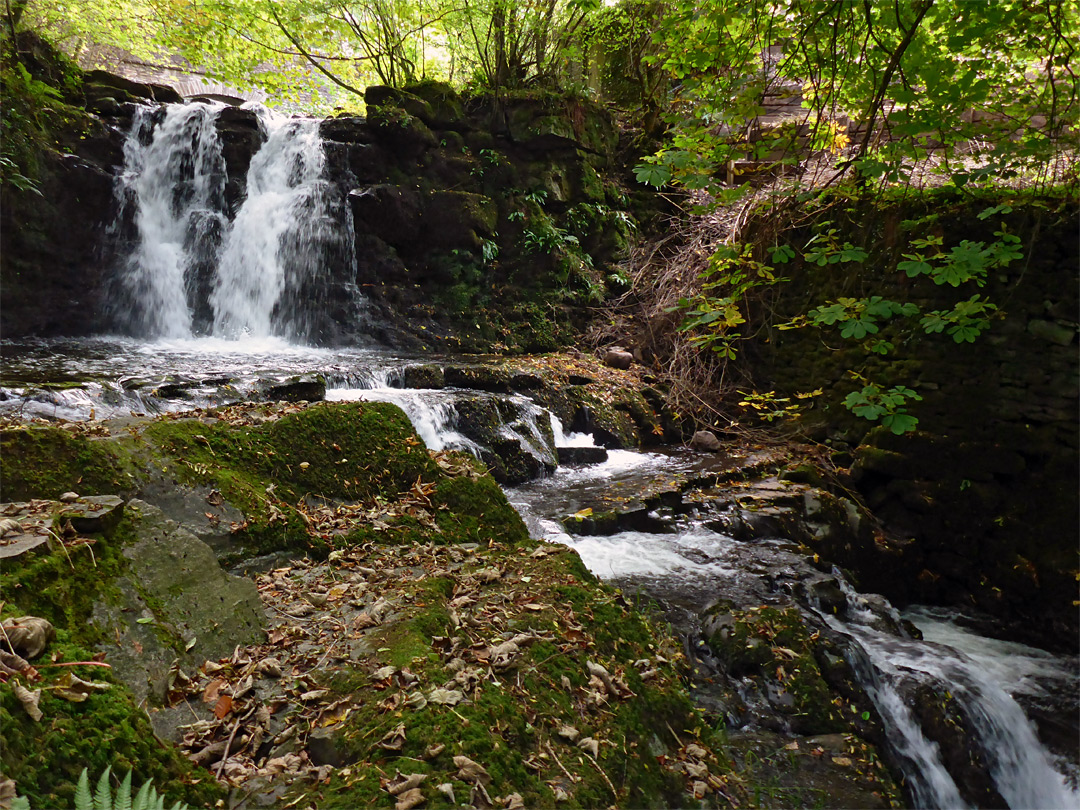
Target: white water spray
x: 268, y: 272
x: 176, y: 177
x: 266, y: 253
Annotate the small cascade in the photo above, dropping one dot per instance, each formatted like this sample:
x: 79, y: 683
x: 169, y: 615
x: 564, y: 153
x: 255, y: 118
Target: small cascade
x: 284, y: 266
x: 894, y: 670
x: 272, y: 254
x: 174, y: 179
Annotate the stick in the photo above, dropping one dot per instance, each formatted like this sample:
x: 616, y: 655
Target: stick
x: 228, y: 744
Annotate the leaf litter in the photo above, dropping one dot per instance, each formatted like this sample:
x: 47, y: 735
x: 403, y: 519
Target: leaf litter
x: 273, y: 705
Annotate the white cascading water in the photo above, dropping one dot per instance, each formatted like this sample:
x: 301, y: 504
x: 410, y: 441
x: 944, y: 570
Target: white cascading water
x: 265, y: 253
x: 260, y: 270
x: 1019, y: 764
x: 174, y: 174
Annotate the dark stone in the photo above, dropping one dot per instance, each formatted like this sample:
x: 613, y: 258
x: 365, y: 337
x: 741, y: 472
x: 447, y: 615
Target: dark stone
x: 389, y: 212
x: 402, y: 134
x: 93, y: 514
x: 706, y: 440
x: 457, y: 219
x: 161, y: 93
x: 324, y: 747
x: 618, y: 358
x: 580, y: 456
x: 579, y: 379
x: 426, y: 376
x: 351, y: 129
x: 301, y: 388
x: 479, y: 378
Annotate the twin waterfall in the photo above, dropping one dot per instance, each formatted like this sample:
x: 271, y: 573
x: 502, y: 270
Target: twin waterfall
x: 194, y: 267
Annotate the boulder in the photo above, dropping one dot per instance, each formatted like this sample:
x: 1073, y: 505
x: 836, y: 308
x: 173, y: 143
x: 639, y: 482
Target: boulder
x: 706, y: 440
x: 301, y: 388
x: 99, y: 82
x: 617, y: 357
x: 457, y: 219
x: 391, y: 213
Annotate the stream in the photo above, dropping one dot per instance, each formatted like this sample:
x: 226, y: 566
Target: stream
x: 221, y: 306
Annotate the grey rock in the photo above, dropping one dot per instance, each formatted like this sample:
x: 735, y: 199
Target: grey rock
x: 618, y: 358
x: 190, y: 609
x: 93, y: 514
x: 706, y: 440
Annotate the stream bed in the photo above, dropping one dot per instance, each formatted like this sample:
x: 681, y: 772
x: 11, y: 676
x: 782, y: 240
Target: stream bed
x: 1017, y: 706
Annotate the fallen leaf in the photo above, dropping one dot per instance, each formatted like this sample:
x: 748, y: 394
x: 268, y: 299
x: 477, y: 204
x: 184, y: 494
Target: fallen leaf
x: 590, y: 745
x: 410, y: 799
x: 843, y: 762
x: 223, y: 706
x: 447, y: 790
x: 514, y: 802
x: 471, y: 771
x: 75, y: 689
x: 393, y: 740
x: 446, y: 697
x: 433, y: 751
x: 568, y: 733
x: 403, y: 782
x: 695, y: 750
x: 29, y: 700
x: 383, y: 674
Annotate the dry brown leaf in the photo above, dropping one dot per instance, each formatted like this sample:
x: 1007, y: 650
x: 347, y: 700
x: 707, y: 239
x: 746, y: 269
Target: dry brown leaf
x: 27, y: 635
x: 393, y: 740
x: 403, y: 782
x: 568, y: 733
x: 446, y: 697
x: 29, y: 701
x: 447, y: 790
x: 471, y: 771
x: 73, y: 688
x: 410, y: 799
x: 590, y: 745
x: 433, y: 751
x: 223, y: 706
x: 514, y: 802
x: 695, y: 750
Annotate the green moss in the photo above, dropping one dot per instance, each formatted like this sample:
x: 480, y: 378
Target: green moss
x: 773, y: 644
x: 476, y: 510
x: 64, y: 587
x: 107, y: 730
x: 47, y: 462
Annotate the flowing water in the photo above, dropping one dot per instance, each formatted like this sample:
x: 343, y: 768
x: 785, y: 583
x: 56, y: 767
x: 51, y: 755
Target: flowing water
x: 191, y: 269
x: 215, y: 300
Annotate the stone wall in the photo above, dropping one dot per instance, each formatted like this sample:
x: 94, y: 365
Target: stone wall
x: 980, y: 504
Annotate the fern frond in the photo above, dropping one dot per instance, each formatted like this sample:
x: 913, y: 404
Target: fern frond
x: 143, y: 797
x: 84, y: 800
x: 103, y: 794
x: 123, y: 794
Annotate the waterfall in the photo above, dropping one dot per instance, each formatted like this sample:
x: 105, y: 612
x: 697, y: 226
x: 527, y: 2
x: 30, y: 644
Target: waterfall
x: 268, y: 254
x: 174, y: 176
x: 889, y: 667
x: 269, y: 271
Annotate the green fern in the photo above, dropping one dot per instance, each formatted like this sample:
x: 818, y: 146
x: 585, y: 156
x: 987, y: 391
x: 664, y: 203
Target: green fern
x: 103, y: 799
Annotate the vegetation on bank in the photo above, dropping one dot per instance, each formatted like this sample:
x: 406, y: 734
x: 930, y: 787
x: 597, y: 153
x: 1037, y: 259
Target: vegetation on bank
x: 429, y: 650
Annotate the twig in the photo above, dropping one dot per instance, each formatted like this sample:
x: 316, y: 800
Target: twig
x: 228, y: 745
x: 573, y: 779
x: 595, y: 764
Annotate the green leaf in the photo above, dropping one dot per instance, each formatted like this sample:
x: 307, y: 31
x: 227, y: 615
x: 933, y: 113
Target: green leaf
x: 652, y: 175
x: 84, y: 800
x: 900, y: 423
x: 103, y: 793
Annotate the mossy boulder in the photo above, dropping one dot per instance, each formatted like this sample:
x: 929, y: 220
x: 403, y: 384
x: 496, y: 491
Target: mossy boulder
x: 457, y: 219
